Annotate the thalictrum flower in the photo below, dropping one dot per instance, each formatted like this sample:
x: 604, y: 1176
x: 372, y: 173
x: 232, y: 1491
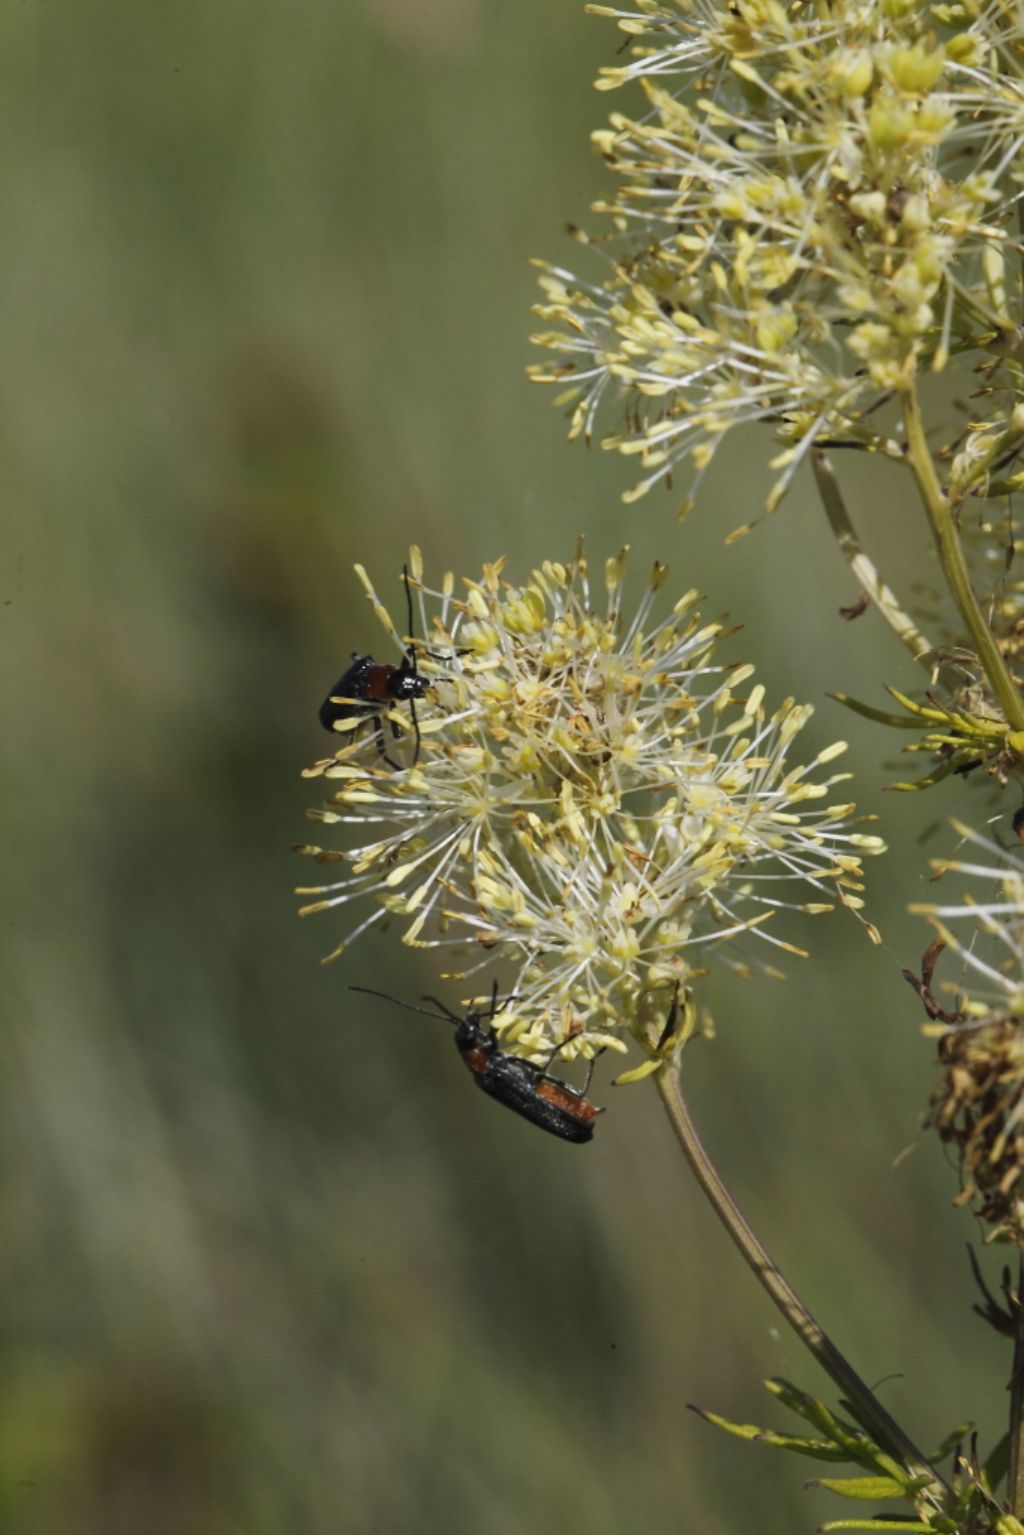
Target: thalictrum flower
x: 814, y: 204
x: 597, y: 804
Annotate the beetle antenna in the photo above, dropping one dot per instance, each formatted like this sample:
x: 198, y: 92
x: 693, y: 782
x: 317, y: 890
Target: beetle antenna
x: 452, y: 1017
x: 408, y: 604
x: 444, y: 1015
x: 463, y: 650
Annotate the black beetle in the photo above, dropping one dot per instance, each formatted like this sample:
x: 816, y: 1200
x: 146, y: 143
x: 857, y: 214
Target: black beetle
x: 368, y: 687
x: 521, y: 1085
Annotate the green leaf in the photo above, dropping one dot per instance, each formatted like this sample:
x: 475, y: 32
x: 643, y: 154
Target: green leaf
x: 637, y: 1073
x: 952, y: 1441
x: 808, y: 1407
x: 741, y: 1430
x: 880, y: 716
x: 816, y: 1449
x: 870, y: 1488
x: 926, y: 783
x: 922, y: 711
x: 997, y: 1463
x: 876, y: 1524
x: 859, y: 1446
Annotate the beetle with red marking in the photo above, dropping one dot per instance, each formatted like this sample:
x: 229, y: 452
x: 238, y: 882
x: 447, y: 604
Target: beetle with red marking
x: 368, y: 689
x: 523, y: 1086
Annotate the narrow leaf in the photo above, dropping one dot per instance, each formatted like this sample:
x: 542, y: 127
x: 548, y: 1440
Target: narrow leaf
x: 927, y: 782
x: 815, y: 1449
x: 637, y: 1073
x: 741, y: 1430
x: 808, y: 1407
x: 924, y: 711
x: 880, y: 716
x: 876, y: 1524
x: 870, y: 1488
x: 953, y: 1439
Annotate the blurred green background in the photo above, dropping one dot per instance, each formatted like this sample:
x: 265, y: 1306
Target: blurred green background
x: 269, y: 1264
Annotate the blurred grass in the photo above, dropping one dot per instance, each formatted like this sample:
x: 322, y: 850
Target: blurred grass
x: 269, y: 1265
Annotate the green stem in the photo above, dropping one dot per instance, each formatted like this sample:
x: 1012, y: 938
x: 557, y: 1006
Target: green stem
x: 954, y: 566
x: 862, y: 566
x: 1015, y: 1474
x: 868, y: 1408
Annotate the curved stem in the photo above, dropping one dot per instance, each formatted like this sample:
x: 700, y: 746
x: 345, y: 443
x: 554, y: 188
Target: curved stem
x: 867, y: 1406
x: 954, y: 566
x: 863, y: 567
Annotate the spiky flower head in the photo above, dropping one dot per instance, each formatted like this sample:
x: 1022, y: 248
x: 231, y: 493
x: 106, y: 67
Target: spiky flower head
x: 595, y: 803
x: 814, y: 205
x: 979, y: 1103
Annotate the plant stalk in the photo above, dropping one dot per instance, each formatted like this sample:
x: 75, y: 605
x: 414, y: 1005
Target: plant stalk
x: 867, y: 1406
x: 1015, y: 1472
x: 954, y: 566
x: 863, y: 567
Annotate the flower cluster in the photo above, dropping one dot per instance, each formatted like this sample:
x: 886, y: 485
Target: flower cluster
x: 979, y: 1104
x: 815, y: 204
x: 594, y: 801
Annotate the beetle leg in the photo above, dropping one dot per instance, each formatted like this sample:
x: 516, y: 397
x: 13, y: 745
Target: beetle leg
x: 545, y: 1069
x: 416, y: 728
x: 581, y: 1092
x: 378, y: 729
x: 590, y: 1071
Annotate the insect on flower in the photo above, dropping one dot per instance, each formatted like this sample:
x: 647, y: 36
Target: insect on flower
x: 600, y: 797
x: 521, y: 1085
x: 368, y: 687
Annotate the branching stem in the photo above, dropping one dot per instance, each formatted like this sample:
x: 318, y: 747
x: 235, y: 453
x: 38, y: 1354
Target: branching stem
x: 868, y: 1408
x: 954, y: 566
x: 862, y: 566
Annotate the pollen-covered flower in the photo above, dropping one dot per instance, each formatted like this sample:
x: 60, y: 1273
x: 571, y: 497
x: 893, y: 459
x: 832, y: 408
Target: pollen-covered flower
x: 979, y: 1103
x: 814, y: 204
x: 595, y: 802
